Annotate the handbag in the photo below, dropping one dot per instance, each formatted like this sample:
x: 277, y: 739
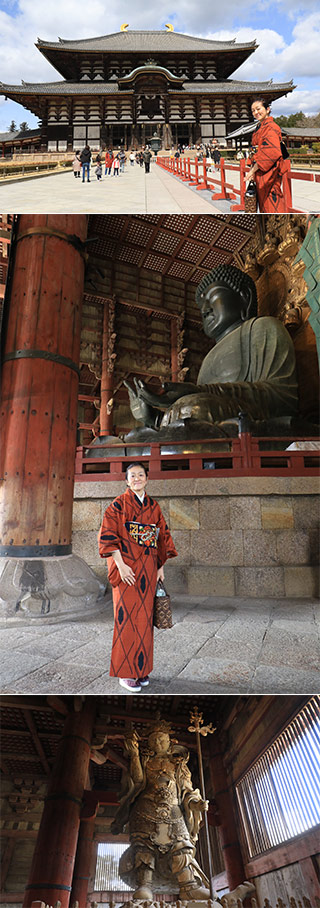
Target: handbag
x: 284, y: 150
x: 250, y: 197
x: 162, y: 614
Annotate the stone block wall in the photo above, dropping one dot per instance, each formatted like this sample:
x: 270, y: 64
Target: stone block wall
x: 247, y: 536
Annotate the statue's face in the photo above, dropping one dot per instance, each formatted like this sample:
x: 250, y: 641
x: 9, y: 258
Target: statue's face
x: 159, y: 741
x: 221, y: 310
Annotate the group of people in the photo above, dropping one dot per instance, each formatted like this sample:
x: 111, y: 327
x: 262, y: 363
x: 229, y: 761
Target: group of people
x: 268, y: 159
x: 114, y: 162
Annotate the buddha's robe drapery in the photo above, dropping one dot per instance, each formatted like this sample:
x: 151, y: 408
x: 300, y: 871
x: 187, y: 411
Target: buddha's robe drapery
x: 252, y: 369
x: 139, y: 531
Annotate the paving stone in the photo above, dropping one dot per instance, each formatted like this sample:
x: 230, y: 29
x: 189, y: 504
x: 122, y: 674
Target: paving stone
x: 15, y: 666
x: 232, y: 673
x: 284, y: 680
x: 58, y: 677
x: 282, y: 647
x: 217, y: 645
x: 220, y: 648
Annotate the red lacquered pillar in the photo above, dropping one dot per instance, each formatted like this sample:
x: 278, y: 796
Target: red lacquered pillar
x: 81, y: 874
x: 228, y: 828
x: 52, y: 867
x: 40, y: 386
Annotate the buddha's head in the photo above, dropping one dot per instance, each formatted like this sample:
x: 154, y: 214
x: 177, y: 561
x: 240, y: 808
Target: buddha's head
x: 227, y: 297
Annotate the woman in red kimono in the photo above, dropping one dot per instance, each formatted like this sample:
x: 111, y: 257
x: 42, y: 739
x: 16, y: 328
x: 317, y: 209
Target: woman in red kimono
x: 267, y: 162
x: 136, y: 541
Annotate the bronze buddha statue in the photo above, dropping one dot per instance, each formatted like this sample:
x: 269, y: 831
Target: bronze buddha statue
x: 251, y: 369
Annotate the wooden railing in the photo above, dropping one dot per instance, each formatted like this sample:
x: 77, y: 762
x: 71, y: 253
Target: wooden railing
x: 242, y: 456
x: 221, y: 181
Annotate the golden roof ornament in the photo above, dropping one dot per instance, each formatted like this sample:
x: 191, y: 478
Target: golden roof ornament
x: 169, y: 27
x: 124, y: 26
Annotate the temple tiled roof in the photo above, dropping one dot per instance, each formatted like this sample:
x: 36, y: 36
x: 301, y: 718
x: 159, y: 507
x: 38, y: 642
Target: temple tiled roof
x: 144, y: 41
x: 19, y: 134
x: 105, y: 88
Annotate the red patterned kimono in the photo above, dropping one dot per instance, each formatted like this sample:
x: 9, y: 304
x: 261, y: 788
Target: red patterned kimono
x: 139, y: 531
x: 271, y: 166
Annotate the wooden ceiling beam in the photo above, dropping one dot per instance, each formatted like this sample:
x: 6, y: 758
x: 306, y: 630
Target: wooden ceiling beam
x: 151, y: 240
x: 36, y: 740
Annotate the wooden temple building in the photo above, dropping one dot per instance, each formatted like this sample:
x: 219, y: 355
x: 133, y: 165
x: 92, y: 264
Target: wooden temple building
x: 61, y: 766
x: 124, y: 88
x: 92, y: 302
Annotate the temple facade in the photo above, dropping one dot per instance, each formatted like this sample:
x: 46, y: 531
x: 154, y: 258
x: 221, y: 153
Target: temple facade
x: 122, y: 89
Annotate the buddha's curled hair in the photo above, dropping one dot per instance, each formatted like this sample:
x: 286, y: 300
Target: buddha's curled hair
x: 234, y: 278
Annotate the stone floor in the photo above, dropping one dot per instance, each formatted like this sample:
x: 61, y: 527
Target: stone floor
x: 133, y: 191
x: 217, y: 645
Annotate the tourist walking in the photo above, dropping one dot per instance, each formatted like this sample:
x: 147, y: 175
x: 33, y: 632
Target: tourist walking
x: 98, y: 171
x: 122, y: 158
x: 147, y: 155
x: 85, y: 159
x: 267, y: 163
x: 108, y: 161
x: 76, y: 164
x: 116, y: 166
x: 216, y: 155
x: 132, y: 158
x: 135, y: 539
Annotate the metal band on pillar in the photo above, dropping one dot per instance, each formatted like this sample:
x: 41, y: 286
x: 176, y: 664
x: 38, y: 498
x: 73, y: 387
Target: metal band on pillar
x: 42, y: 354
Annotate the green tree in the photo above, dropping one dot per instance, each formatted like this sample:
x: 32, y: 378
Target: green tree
x: 24, y: 126
x: 12, y: 127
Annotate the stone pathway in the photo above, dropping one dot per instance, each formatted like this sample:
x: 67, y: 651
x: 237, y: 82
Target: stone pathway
x: 217, y: 645
x: 133, y: 191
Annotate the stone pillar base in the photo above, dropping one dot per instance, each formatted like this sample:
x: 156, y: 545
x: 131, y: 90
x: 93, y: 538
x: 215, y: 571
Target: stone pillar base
x: 48, y: 590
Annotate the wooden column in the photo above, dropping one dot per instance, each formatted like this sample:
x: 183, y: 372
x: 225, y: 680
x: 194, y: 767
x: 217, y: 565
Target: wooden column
x: 174, y: 350
x: 52, y: 867
x: 228, y: 828
x: 108, y: 337
x: 6, y: 860
x: 82, y: 867
x: 40, y: 385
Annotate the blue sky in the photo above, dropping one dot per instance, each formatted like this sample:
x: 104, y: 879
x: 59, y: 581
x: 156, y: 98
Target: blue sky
x: 287, y: 31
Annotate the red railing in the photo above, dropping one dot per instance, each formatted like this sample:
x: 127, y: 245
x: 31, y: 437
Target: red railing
x: 242, y: 456
x: 197, y: 174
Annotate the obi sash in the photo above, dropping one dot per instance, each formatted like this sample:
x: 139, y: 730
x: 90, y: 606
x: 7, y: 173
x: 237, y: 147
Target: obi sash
x: 143, y: 533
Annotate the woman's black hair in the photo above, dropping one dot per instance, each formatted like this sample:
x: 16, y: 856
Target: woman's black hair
x: 262, y: 101
x: 136, y: 464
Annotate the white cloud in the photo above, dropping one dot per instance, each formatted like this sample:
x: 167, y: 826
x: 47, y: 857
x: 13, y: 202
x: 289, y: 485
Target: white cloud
x: 302, y: 55
x: 297, y: 60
